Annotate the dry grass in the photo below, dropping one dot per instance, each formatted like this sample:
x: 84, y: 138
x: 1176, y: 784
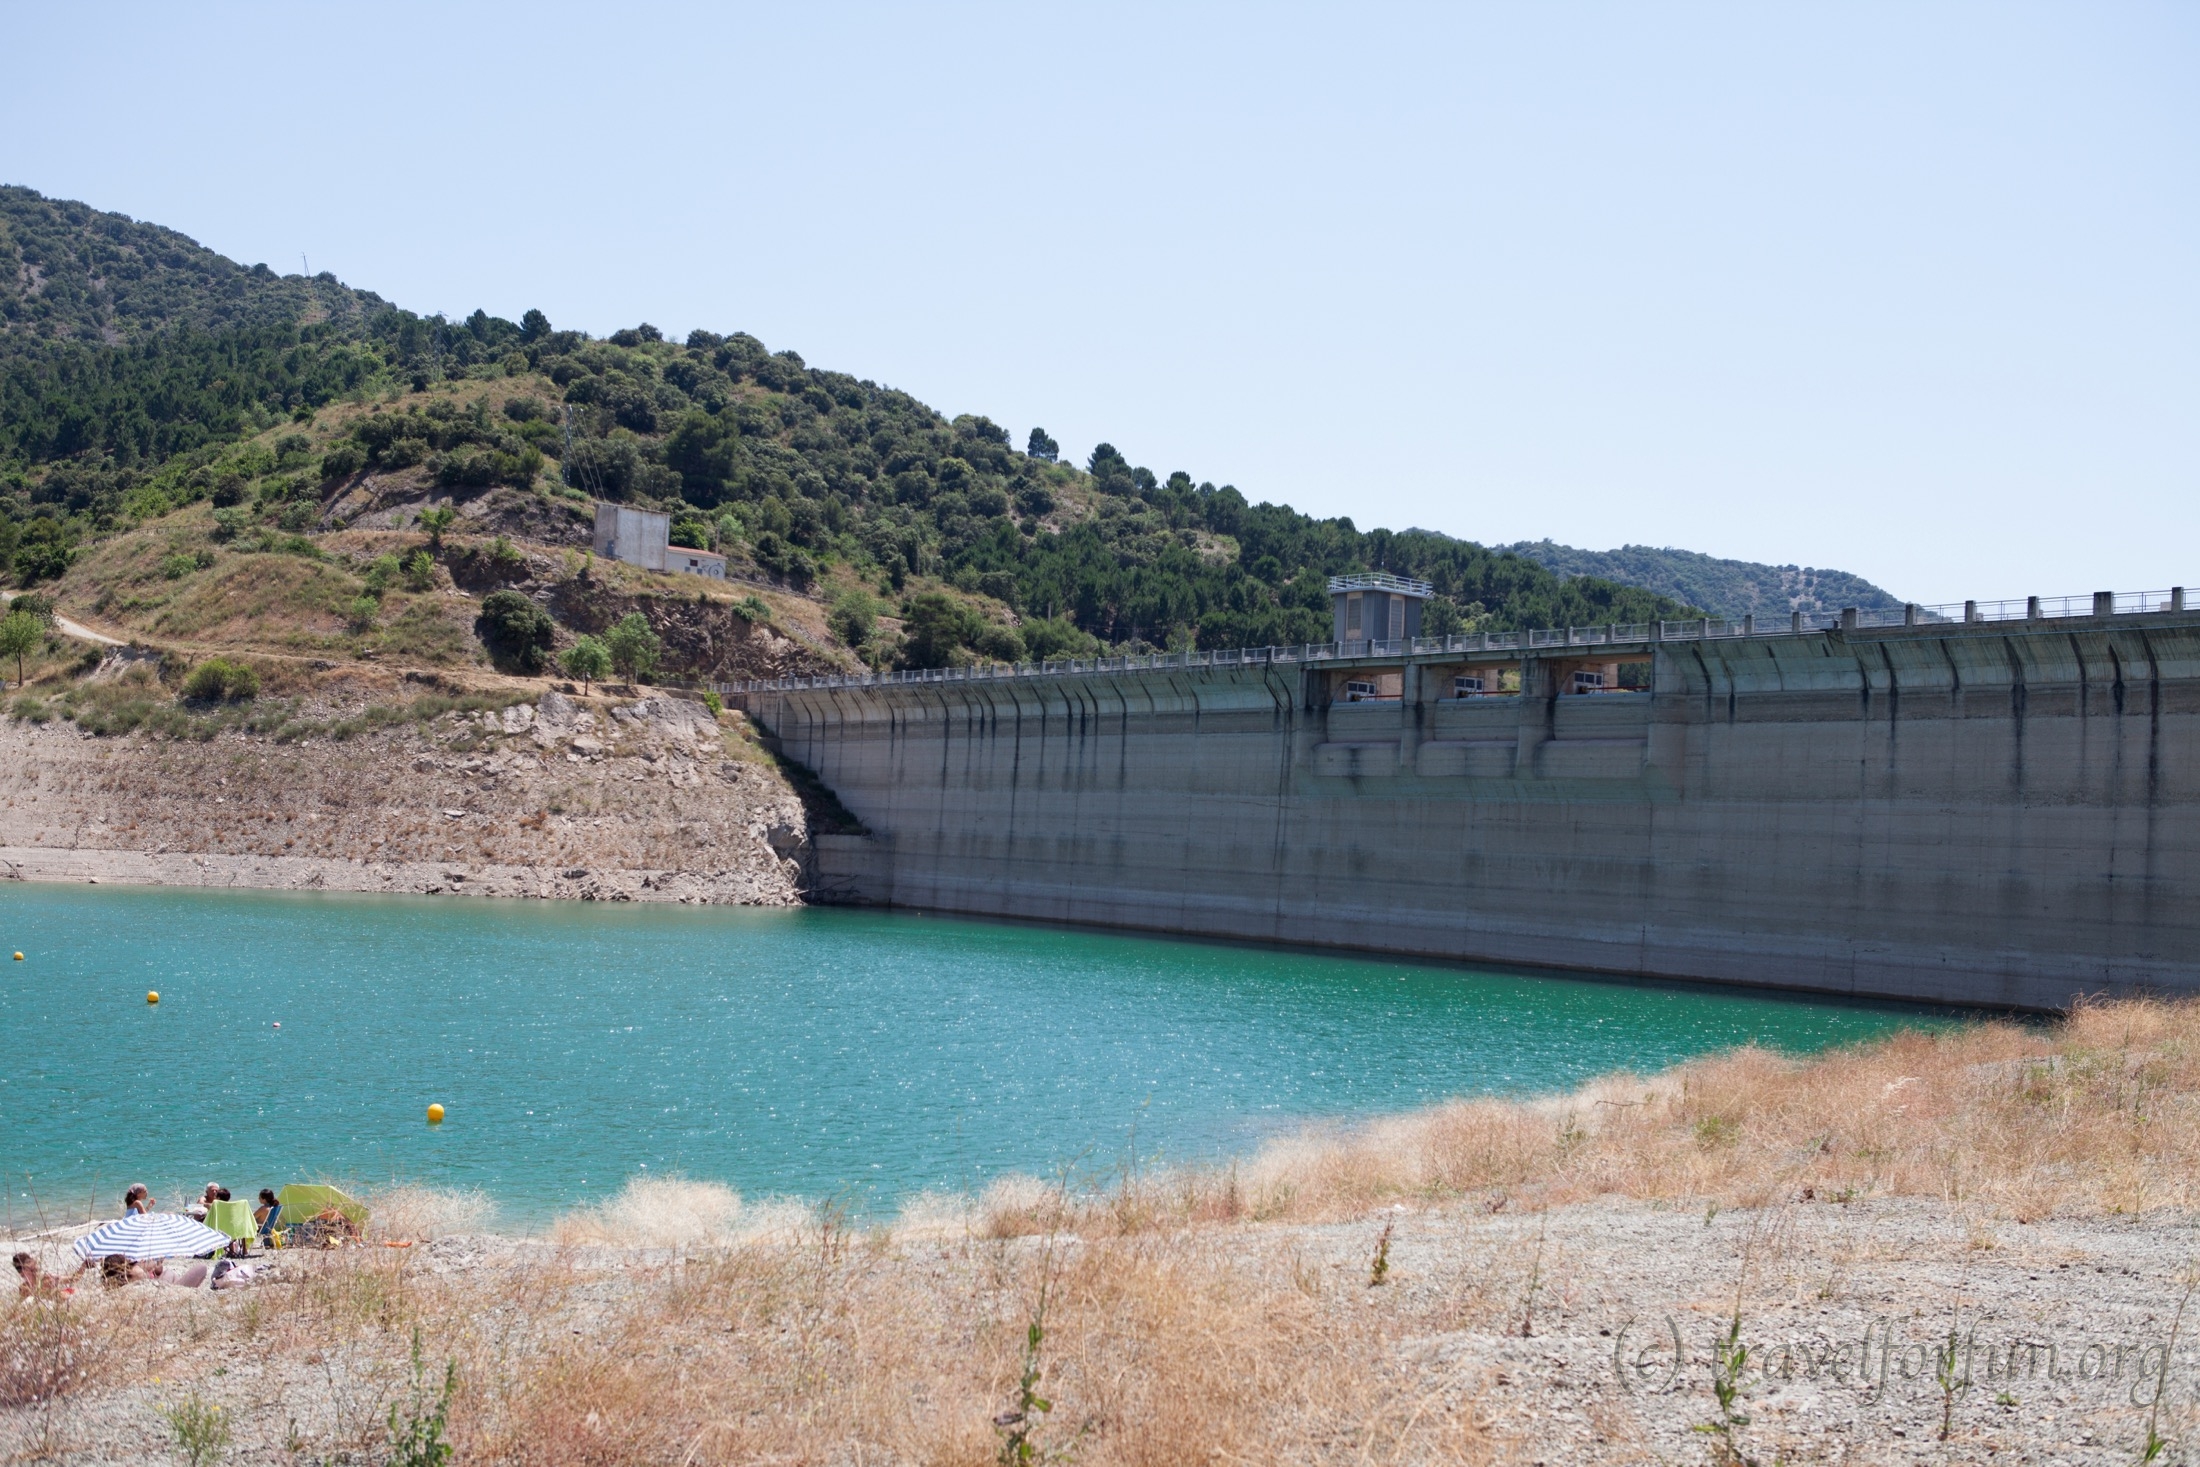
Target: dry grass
x: 2099, y: 1113
x: 1157, y: 1325
x: 674, y: 1212
x: 53, y: 1348
x: 422, y: 1214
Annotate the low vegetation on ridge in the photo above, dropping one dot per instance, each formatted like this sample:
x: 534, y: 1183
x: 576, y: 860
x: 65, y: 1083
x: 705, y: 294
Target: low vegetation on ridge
x: 143, y: 379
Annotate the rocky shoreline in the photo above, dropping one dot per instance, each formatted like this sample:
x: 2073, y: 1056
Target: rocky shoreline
x: 559, y: 799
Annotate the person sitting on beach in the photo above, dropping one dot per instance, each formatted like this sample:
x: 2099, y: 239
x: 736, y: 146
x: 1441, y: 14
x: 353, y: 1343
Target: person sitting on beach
x: 138, y: 1199
x: 197, y: 1211
x: 265, y: 1214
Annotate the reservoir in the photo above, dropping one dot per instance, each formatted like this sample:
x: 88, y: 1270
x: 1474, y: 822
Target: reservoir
x: 809, y: 1053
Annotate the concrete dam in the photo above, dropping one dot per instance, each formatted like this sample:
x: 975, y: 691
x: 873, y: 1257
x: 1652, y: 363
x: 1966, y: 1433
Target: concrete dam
x: 1990, y: 808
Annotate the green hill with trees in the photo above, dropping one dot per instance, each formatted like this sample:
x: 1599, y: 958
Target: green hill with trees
x: 141, y: 373
x: 1724, y: 587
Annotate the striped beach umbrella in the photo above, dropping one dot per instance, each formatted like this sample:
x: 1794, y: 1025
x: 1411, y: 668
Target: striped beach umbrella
x: 143, y: 1235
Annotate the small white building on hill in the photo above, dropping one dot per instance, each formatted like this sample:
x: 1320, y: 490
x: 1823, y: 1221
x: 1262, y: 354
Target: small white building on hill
x: 695, y: 562
x: 636, y: 536
x: 643, y: 537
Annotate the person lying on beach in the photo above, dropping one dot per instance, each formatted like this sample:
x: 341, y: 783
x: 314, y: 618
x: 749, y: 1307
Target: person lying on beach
x: 230, y: 1275
x: 116, y: 1269
x: 31, y: 1280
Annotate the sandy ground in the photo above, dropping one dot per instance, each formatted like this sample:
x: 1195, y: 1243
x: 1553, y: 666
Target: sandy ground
x: 1590, y: 1333
x: 636, y: 801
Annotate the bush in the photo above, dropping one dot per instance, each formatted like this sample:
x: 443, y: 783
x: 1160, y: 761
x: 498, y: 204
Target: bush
x: 40, y: 561
x: 586, y: 660
x: 382, y: 571
x: 222, y: 680
x: 934, y: 628
x: 517, y: 632
x: 853, y: 617
x: 33, y: 605
x: 176, y: 567
x: 49, y: 1349
x: 634, y: 648
x: 1000, y: 643
x: 342, y: 461
x: 713, y: 702
x: 364, y: 609
x: 419, y: 571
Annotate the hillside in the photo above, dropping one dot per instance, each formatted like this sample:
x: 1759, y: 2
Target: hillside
x: 69, y: 272
x: 1723, y: 587
x: 150, y: 390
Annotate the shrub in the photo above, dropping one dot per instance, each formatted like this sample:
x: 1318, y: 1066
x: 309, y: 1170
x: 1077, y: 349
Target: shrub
x: 419, y: 571
x: 634, y: 648
x: 363, y: 611
x: 222, y: 679
x: 342, y: 461
x: 1000, y: 643
x: 33, y: 605
x: 40, y: 561
x: 20, y: 635
x: 587, y: 660
x: 713, y: 702
x: 934, y: 627
x: 201, y: 1429
x: 176, y: 567
x: 854, y: 615
x: 48, y: 1349
x: 517, y: 632
x: 381, y: 572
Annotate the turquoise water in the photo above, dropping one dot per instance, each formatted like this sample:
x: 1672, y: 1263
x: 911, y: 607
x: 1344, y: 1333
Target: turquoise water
x: 807, y: 1052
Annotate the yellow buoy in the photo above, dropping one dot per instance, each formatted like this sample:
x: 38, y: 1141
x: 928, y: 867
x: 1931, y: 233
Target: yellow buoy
x: 19, y: 957
x: 435, y: 1115
x: 152, y: 997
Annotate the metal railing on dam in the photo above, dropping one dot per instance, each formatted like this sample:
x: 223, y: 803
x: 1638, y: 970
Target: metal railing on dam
x: 1637, y: 634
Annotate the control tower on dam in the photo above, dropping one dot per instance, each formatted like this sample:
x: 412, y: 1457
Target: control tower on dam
x: 1979, y: 805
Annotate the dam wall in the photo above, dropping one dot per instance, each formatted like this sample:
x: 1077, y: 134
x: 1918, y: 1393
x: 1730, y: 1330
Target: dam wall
x: 1997, y: 814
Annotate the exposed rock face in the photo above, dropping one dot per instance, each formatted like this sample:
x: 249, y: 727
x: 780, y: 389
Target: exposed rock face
x: 566, y: 798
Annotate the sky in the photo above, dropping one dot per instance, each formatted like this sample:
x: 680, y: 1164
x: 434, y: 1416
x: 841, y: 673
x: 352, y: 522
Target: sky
x: 1906, y: 290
